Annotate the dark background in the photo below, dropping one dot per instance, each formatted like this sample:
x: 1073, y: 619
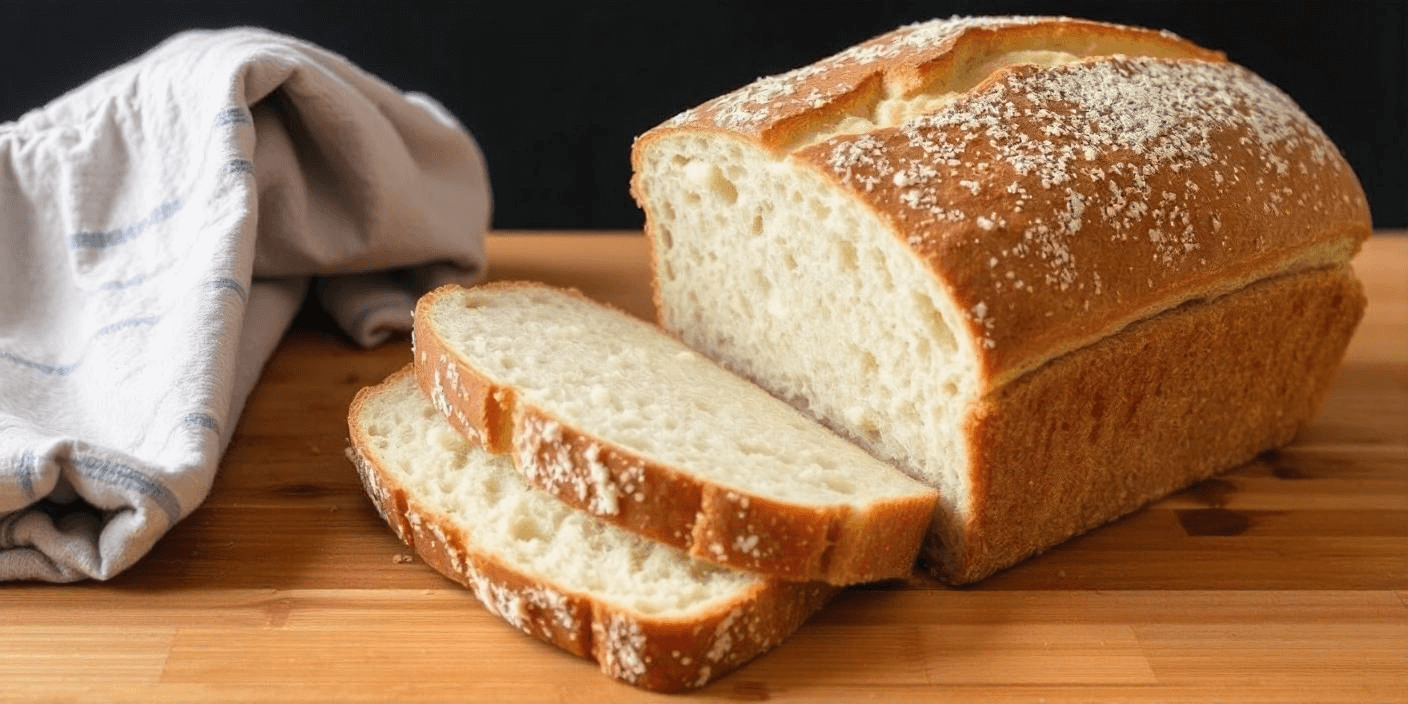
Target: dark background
x: 555, y: 92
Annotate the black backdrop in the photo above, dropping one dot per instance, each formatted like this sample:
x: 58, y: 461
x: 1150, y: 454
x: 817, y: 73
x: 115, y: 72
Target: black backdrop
x: 555, y: 92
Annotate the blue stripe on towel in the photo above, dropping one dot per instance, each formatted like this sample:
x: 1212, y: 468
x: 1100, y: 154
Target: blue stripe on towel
x: 66, y: 369
x: 46, y: 369
x: 231, y: 116
x: 239, y: 166
x: 26, y: 473
x: 120, y: 475
x: 203, y: 420
x: 126, y: 283
x: 110, y: 238
x: 228, y: 283
x: 124, y: 324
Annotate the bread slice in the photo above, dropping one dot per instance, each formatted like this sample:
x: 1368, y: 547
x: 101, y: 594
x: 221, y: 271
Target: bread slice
x: 611, y: 415
x: 909, y: 238
x: 647, y: 613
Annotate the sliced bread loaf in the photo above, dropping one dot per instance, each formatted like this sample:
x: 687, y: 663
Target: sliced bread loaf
x: 1056, y: 268
x: 611, y: 415
x: 647, y: 613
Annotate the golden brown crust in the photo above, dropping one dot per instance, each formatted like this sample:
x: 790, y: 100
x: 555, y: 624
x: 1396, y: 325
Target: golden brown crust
x: 776, y: 110
x: 550, y: 454
x: 478, y: 409
x: 1067, y: 213
x: 1101, y: 432
x: 683, y: 655
x: 670, y: 506
x: 832, y: 543
x: 647, y: 651
x: 1059, y: 204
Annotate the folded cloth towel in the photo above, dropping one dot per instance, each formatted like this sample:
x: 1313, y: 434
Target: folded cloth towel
x: 158, y: 230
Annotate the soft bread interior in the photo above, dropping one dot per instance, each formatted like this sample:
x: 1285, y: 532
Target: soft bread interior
x: 777, y: 285
x: 523, y: 529
x: 623, y: 381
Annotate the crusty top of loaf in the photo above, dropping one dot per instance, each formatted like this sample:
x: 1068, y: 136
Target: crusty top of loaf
x: 1059, y: 203
x: 909, y: 60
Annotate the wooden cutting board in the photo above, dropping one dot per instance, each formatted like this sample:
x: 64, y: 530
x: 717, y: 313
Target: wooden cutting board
x: 1284, y: 580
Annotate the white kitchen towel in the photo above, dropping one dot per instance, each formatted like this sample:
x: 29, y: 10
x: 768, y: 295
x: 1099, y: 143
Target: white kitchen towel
x: 159, y: 227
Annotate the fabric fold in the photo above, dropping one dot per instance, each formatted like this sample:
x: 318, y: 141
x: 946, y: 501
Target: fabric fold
x: 159, y: 228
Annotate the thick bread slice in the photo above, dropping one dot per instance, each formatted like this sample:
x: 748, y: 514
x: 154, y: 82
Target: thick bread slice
x: 901, y: 237
x: 647, y: 613
x: 611, y: 415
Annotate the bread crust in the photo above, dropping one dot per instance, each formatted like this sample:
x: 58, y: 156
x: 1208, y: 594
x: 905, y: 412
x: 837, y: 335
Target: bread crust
x: 908, y: 61
x: 727, y: 526
x: 1236, y: 183
x: 648, y: 651
x: 1074, y: 214
x: 1051, y: 454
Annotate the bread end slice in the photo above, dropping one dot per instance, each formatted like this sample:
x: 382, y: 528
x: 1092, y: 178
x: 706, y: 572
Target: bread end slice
x: 730, y: 618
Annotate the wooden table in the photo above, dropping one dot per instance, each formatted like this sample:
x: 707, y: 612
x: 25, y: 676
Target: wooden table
x: 1285, y: 580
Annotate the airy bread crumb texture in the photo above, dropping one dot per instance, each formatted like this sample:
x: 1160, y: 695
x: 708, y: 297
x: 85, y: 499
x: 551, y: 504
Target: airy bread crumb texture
x: 649, y: 614
x: 821, y: 331
x: 536, y: 534
x: 624, y: 382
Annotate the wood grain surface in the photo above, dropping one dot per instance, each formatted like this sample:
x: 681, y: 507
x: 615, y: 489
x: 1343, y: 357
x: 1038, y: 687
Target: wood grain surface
x: 1283, y: 580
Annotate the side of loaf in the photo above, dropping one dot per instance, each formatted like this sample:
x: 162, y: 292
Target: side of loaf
x: 612, y: 416
x: 1054, y: 268
x: 646, y: 613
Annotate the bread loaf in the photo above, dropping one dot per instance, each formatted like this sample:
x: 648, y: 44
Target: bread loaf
x: 609, y: 414
x: 1054, y: 268
x: 647, y: 613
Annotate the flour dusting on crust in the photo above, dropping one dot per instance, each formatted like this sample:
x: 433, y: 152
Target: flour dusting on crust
x: 1056, y: 160
x: 763, y: 100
